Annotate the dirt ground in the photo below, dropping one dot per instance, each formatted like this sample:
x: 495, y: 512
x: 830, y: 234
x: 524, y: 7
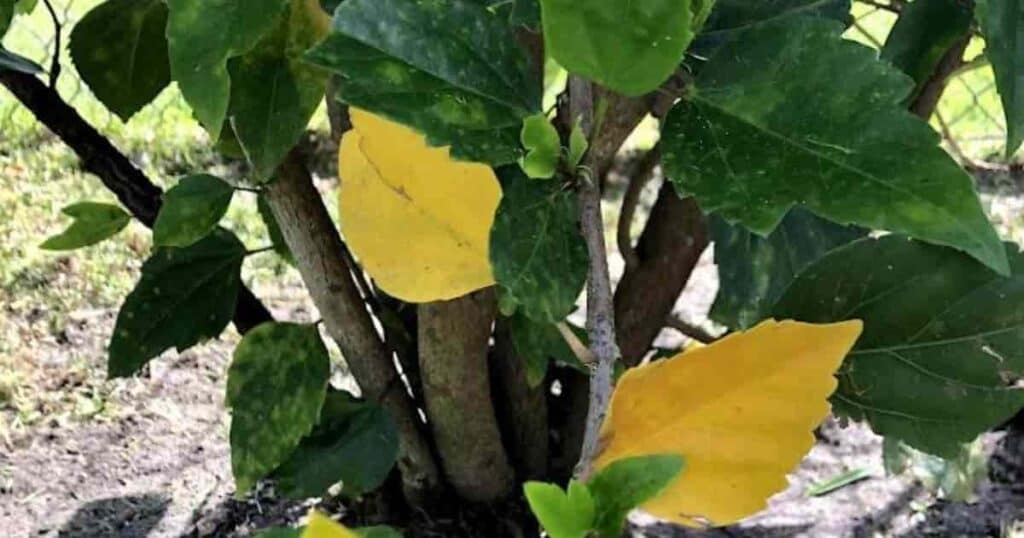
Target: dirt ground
x: 148, y: 457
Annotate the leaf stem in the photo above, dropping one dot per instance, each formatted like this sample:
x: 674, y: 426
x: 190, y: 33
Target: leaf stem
x: 55, y: 61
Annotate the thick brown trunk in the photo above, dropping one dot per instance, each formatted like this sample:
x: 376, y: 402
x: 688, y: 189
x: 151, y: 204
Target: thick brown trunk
x: 453, y: 342
x: 673, y: 240
x: 523, y: 410
x: 318, y: 251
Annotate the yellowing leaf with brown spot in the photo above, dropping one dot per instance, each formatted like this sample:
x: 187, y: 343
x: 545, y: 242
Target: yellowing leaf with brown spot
x: 417, y: 220
x: 741, y: 411
x: 320, y: 526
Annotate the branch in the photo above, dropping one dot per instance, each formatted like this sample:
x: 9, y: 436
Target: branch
x: 319, y: 256
x: 100, y: 158
x: 453, y: 337
x: 600, y: 309
x: 638, y: 177
x: 522, y: 409
x: 689, y: 330
x: 927, y: 98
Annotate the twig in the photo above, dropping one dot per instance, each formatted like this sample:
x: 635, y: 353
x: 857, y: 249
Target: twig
x: 55, y: 61
x: 576, y: 345
x: 600, y: 309
x: 689, y: 330
x: 638, y: 178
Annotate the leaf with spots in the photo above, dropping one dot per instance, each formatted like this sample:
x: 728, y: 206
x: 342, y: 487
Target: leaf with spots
x: 184, y: 296
x: 93, y: 222
x: 1002, y: 23
x: 755, y: 271
x: 536, y: 249
x: 191, y: 209
x: 791, y: 114
x: 120, y: 51
x: 630, y: 47
x: 741, y: 411
x: 276, y: 387
x: 417, y: 220
x: 731, y: 17
x: 539, y: 343
x: 355, y: 443
x: 274, y: 92
x: 943, y: 343
x: 202, y: 35
x: 450, y: 69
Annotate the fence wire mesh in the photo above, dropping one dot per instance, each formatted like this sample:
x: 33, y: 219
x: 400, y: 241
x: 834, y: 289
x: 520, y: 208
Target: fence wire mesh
x: 969, y: 116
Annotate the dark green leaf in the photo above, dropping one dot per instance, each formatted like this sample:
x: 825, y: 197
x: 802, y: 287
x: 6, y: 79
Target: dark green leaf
x: 191, y: 210
x: 355, y: 443
x: 6, y: 15
x: 578, y: 145
x: 943, y: 341
x: 539, y: 343
x: 274, y: 92
x: 729, y: 17
x: 184, y: 296
x: 93, y: 223
x: 791, y: 113
x: 543, y: 147
x: 448, y: 68
x: 274, y: 231
x: 16, y: 62
x: 537, y: 253
x: 630, y: 47
x: 1002, y: 22
x: 923, y: 34
x: 276, y: 387
x: 755, y: 271
x: 280, y: 533
x: 628, y: 483
x: 202, y: 36
x: 120, y: 51
x: 562, y: 514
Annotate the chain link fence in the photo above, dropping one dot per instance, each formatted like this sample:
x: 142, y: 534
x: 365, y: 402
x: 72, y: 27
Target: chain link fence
x: 970, y: 115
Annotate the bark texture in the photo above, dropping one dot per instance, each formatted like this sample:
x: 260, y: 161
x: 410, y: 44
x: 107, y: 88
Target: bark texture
x: 453, y: 338
x: 318, y: 251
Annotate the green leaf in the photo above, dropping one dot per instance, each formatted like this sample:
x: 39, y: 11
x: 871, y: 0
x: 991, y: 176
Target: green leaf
x: 563, y: 515
x: 6, y: 15
x: 202, y: 35
x: 537, y: 252
x: 120, y: 51
x: 16, y: 62
x: 755, y: 271
x: 274, y: 92
x: 730, y: 17
x: 543, y: 147
x: 281, y: 533
x: 184, y: 296
x: 1002, y: 23
x: 922, y: 35
x: 191, y: 209
x: 538, y: 344
x: 838, y: 481
x: 627, y: 483
x: 274, y: 231
x: 943, y: 341
x: 93, y: 222
x: 790, y: 113
x: 630, y: 47
x: 276, y: 387
x: 578, y: 145
x: 355, y: 443
x: 450, y: 69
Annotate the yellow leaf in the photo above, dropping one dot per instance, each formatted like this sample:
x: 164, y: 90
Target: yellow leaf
x: 741, y: 411
x: 417, y: 220
x: 321, y: 526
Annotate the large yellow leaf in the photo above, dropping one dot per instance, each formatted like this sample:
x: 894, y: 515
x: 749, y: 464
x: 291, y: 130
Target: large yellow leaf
x: 417, y: 220
x: 321, y: 526
x: 741, y: 411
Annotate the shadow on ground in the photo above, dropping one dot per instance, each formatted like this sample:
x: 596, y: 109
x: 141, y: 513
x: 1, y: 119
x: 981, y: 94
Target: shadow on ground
x: 125, y: 517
